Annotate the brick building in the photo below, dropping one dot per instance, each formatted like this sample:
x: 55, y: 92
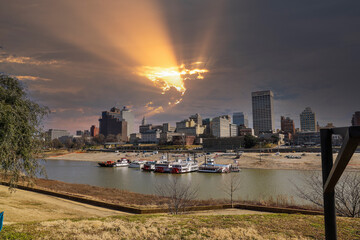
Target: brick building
x: 94, y: 131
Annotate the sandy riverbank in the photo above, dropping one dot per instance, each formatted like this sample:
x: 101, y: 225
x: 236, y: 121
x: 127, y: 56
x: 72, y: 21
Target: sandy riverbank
x: 308, y: 161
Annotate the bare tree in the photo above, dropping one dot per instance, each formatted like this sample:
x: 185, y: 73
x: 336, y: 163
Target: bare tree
x: 179, y: 194
x: 347, y: 193
x: 231, y: 186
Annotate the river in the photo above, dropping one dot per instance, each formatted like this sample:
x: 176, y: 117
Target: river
x: 255, y: 184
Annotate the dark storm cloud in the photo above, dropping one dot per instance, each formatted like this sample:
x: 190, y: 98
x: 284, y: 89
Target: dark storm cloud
x: 307, y: 52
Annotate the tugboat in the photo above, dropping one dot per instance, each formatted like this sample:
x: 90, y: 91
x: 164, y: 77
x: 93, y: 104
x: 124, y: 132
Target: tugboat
x: 107, y: 164
x: 119, y: 163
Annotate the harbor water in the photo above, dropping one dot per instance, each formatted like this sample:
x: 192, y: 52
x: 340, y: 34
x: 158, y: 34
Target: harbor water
x: 255, y: 184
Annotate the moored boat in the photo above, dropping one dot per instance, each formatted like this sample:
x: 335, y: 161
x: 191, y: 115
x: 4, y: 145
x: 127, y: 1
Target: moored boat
x: 163, y: 167
x: 119, y: 163
x: 184, y: 167
x: 211, y: 167
x: 123, y: 162
x: 234, y: 168
x: 149, y: 166
x: 107, y: 164
x: 136, y: 164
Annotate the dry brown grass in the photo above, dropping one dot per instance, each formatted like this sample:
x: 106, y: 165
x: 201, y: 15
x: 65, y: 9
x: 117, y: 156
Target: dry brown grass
x: 152, y: 228
x: 271, y: 226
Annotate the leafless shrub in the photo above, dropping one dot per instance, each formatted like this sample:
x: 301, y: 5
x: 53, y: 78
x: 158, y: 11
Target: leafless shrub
x: 231, y: 185
x: 347, y: 193
x: 179, y: 195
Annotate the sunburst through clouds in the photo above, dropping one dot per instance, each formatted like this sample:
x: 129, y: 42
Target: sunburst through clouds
x: 166, y: 78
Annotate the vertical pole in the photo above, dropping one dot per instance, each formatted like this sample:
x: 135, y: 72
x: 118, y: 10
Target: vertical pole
x: 329, y: 197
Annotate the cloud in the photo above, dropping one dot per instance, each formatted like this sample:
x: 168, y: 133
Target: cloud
x: 151, y: 110
x: 52, y: 90
x: 32, y: 78
x: 306, y: 52
x: 5, y: 58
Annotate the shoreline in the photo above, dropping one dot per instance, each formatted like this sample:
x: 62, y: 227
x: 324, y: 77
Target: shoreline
x: 269, y: 161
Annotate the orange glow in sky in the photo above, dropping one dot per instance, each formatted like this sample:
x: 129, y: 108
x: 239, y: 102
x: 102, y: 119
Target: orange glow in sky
x: 131, y: 36
x: 168, y: 77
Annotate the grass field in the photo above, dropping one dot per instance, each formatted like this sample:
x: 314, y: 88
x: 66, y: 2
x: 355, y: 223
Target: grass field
x: 269, y: 226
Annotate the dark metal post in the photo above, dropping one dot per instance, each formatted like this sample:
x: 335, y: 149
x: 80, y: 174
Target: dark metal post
x: 329, y: 197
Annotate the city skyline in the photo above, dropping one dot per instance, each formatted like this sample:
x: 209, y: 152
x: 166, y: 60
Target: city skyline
x: 92, y: 60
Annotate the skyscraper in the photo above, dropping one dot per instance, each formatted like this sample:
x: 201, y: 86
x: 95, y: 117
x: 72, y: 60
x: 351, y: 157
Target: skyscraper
x: 308, y: 120
x: 287, y: 125
x: 112, y: 123
x: 355, y: 121
x: 128, y: 116
x: 263, y: 111
x: 240, y: 119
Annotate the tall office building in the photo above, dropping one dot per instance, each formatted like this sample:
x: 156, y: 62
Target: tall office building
x: 287, y: 125
x: 263, y: 111
x: 240, y: 119
x: 111, y: 122
x: 308, y: 120
x: 220, y: 126
x: 355, y: 121
x: 233, y: 130
x: 128, y: 116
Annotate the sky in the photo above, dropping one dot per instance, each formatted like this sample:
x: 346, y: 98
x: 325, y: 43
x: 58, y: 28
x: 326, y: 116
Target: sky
x: 80, y: 58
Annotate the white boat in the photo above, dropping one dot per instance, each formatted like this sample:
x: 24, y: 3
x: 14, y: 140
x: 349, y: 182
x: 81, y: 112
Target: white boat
x: 149, y: 166
x: 122, y: 163
x: 184, y: 167
x: 163, y: 167
x: 211, y: 167
x: 136, y: 164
